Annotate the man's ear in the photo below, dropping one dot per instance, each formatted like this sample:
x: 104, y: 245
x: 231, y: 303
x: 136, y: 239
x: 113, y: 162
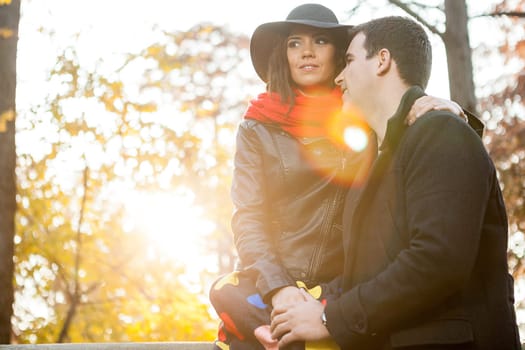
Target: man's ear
x: 384, y: 61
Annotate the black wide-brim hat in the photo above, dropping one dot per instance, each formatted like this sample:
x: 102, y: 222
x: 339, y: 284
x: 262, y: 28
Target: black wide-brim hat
x: 266, y: 36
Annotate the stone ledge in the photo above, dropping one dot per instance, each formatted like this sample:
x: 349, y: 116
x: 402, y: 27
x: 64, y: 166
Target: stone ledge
x: 113, y: 346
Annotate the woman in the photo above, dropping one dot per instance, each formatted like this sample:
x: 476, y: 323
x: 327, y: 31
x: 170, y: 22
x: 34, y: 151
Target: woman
x: 291, y: 173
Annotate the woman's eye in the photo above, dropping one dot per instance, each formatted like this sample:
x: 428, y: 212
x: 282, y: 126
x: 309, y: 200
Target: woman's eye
x: 322, y: 41
x: 293, y: 43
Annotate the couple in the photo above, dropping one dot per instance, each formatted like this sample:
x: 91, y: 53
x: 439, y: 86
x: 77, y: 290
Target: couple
x: 413, y: 256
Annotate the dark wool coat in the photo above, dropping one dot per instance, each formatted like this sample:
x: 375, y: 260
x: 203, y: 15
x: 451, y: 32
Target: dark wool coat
x: 426, y: 244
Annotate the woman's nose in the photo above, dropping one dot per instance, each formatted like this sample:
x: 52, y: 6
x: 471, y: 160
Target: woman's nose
x: 339, y: 79
x: 308, y: 50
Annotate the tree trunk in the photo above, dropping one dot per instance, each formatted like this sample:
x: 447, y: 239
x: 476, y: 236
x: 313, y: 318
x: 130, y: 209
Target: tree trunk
x: 459, y: 58
x: 9, y: 18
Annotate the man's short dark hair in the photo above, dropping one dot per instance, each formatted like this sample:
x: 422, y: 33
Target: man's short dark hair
x: 407, y: 42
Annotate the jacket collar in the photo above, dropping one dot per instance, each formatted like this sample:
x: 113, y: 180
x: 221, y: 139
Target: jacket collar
x: 396, y: 124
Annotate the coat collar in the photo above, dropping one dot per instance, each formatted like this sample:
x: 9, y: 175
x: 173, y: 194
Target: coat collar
x: 396, y: 124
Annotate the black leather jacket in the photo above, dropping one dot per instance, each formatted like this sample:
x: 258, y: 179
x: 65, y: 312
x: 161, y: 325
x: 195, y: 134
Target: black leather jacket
x: 288, y: 197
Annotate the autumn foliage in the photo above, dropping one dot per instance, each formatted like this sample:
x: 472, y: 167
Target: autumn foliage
x: 87, y: 269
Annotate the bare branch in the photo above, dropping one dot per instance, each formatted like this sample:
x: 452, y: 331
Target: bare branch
x: 424, y: 6
x: 501, y: 14
x: 412, y: 13
x: 351, y: 12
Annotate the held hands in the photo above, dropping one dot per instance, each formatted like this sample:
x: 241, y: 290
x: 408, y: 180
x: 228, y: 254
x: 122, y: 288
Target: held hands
x: 427, y: 103
x: 285, y: 296
x: 298, y: 321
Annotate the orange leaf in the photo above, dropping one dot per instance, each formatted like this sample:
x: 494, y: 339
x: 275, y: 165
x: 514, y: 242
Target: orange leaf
x: 520, y: 48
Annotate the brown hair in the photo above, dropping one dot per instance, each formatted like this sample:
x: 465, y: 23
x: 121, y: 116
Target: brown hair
x: 407, y: 42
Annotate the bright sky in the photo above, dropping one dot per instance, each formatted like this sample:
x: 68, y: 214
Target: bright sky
x: 114, y: 26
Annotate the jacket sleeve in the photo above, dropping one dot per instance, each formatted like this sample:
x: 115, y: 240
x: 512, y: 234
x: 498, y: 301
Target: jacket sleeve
x: 448, y: 178
x: 250, y: 222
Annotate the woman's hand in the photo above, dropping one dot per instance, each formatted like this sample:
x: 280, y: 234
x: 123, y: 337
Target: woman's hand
x: 428, y: 103
x: 264, y: 336
x: 287, y: 296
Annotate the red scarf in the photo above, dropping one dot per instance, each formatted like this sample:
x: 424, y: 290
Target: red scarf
x: 311, y: 116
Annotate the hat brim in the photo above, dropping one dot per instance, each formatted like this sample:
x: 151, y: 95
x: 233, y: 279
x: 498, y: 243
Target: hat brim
x: 266, y: 36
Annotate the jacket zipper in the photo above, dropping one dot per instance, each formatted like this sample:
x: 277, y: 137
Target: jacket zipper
x: 325, y: 229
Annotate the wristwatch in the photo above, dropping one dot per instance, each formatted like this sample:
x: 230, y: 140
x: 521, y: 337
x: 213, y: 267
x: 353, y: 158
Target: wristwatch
x: 323, y: 318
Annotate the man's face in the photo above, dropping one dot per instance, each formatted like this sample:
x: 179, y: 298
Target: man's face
x: 358, y: 77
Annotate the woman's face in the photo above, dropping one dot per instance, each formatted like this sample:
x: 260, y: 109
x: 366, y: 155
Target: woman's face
x: 311, y: 58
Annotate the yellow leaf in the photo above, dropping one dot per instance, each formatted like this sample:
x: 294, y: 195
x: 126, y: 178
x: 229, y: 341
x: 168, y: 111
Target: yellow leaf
x: 5, y: 32
x: 148, y: 108
x: 152, y: 50
x: 6, y: 117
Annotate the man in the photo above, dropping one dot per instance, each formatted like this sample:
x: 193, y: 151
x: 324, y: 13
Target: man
x: 426, y: 238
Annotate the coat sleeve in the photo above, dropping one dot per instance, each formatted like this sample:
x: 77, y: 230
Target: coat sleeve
x: 448, y: 178
x: 475, y: 123
x: 250, y: 222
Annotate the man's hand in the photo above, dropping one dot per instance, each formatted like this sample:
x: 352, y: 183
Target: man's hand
x: 300, y: 321
x: 427, y: 103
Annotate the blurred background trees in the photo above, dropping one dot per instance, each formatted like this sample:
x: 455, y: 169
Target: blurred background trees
x: 124, y: 164
x: 501, y: 101
x: 93, y: 156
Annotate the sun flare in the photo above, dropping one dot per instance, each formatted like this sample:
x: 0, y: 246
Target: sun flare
x: 356, y: 138
x: 176, y: 228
